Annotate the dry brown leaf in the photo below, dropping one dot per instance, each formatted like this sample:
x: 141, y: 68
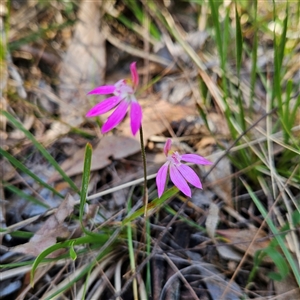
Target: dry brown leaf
x: 111, y: 146
x: 287, y: 289
x: 53, y: 228
x: 27, y: 122
x: 205, y: 142
x: 218, y: 124
x: 212, y: 220
x: 221, y: 186
x: 83, y: 65
x: 7, y: 171
x: 156, y: 119
x: 229, y: 253
x: 3, y: 107
x: 241, y: 239
x: 157, y: 115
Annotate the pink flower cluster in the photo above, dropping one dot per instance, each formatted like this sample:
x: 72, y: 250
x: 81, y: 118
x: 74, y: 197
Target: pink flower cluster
x: 124, y: 98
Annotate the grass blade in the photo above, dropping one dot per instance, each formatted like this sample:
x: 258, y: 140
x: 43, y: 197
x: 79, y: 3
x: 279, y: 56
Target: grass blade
x: 254, y: 57
x: 25, y: 170
x: 239, y: 41
x: 85, y: 179
x: 23, y: 195
x: 275, y: 232
x: 278, y: 59
x: 41, y: 148
x: 152, y: 205
x: 216, y: 23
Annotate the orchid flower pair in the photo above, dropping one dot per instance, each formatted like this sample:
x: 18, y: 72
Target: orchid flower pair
x: 124, y: 98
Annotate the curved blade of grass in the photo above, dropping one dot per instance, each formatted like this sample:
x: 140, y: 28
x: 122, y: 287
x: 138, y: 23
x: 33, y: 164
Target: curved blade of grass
x: 152, y: 205
x: 85, y: 271
x: 275, y: 231
x: 41, y: 148
x: 84, y: 187
x: 82, y: 240
x: 105, y: 249
x: 25, y: 170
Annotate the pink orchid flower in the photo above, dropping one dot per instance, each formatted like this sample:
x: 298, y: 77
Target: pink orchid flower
x: 123, y: 97
x: 180, y: 174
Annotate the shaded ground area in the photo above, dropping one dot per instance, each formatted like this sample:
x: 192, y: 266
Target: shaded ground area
x: 221, y: 80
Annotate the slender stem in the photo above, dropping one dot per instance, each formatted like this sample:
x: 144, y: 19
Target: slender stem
x: 146, y: 232
x: 145, y: 191
x: 131, y: 250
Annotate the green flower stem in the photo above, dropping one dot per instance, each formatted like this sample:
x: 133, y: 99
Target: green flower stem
x: 145, y: 191
x: 146, y: 232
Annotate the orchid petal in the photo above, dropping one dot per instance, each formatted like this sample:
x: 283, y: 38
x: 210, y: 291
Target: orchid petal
x: 179, y: 181
x: 103, y: 106
x: 103, y: 90
x: 116, y: 117
x: 197, y: 159
x: 190, y: 175
x: 167, y: 146
x: 134, y: 74
x: 135, y: 117
x: 161, y: 178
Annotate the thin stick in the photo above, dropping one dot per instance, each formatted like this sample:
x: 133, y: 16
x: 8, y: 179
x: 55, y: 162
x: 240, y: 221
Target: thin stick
x: 145, y: 192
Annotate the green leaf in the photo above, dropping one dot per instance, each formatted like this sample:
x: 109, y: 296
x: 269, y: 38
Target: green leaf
x: 73, y: 254
x: 85, y: 179
x: 20, y: 234
x: 279, y: 261
x: 84, y: 187
x: 296, y: 218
